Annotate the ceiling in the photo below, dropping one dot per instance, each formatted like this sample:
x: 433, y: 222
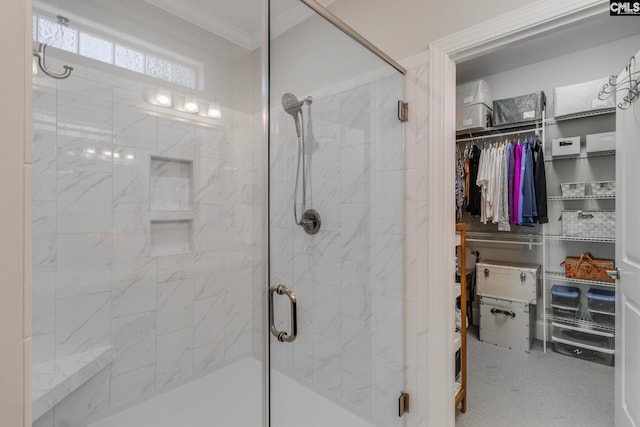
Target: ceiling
x: 238, y: 21
x: 601, y: 30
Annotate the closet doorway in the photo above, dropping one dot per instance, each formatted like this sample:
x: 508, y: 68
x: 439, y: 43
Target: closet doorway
x: 596, y: 47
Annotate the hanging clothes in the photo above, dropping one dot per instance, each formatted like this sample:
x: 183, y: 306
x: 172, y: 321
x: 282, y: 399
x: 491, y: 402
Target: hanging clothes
x: 529, y: 209
x: 512, y: 177
x: 516, y: 184
x: 540, y: 181
x: 474, y: 201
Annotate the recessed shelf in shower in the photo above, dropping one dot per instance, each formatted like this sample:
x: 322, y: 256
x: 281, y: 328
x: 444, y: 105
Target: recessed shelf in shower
x: 171, y: 184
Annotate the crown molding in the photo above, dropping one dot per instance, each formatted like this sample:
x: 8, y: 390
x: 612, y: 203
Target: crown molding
x: 526, y: 22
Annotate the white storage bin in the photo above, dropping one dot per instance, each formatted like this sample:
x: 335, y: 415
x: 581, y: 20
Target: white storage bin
x: 513, y: 281
x: 569, y: 146
x: 589, y: 224
x: 508, y: 324
x: 477, y: 92
x: 605, y: 141
x: 473, y: 118
x: 572, y: 189
x: 603, y: 188
x: 580, y: 98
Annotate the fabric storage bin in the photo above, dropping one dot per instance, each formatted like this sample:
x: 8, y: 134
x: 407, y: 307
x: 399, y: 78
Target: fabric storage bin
x: 600, y: 340
x: 508, y: 324
x: 604, y: 357
x: 514, y: 281
x: 601, y: 142
x: 564, y: 296
x: 518, y: 109
x: 473, y: 118
x: 601, y: 300
x: 589, y: 224
x: 477, y: 92
x: 580, y: 98
x: 572, y: 189
x: 603, y: 319
x: 565, y: 313
x: 569, y: 146
x: 603, y: 188
x: 586, y: 267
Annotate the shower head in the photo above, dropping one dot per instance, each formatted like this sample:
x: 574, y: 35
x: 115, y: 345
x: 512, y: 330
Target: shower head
x: 294, y: 107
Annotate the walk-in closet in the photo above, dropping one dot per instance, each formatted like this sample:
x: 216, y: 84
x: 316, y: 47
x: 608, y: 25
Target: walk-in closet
x: 536, y: 200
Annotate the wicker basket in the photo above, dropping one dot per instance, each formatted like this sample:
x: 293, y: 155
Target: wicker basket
x: 603, y: 188
x: 573, y: 189
x: 589, y: 224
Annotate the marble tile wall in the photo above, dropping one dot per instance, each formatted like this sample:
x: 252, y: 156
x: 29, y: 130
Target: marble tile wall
x: 348, y: 278
x: 104, y: 168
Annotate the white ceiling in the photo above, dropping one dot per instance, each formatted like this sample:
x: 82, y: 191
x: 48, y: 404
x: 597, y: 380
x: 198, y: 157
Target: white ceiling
x: 239, y: 21
x: 595, y: 32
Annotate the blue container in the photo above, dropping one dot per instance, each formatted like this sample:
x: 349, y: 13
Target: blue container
x: 601, y: 301
x: 565, y: 296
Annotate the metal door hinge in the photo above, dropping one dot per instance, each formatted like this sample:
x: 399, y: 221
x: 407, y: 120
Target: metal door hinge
x: 403, y: 404
x: 403, y: 111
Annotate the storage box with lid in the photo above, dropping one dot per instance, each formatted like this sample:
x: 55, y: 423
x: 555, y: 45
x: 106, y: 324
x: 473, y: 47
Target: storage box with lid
x: 569, y: 146
x: 477, y: 92
x: 512, y: 281
x: 589, y: 224
x: 572, y: 189
x: 580, y: 98
x: 474, y: 117
x: 603, y: 188
x: 604, y: 357
x: 598, y: 142
x: 508, y: 324
x: 518, y: 109
x: 565, y: 296
x: 601, y: 300
x: 592, y: 345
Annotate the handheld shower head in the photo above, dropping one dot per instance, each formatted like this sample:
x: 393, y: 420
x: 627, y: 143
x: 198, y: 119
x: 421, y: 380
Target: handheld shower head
x: 292, y: 106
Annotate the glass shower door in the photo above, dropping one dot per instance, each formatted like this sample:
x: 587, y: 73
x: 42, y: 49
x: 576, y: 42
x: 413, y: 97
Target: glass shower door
x: 336, y: 150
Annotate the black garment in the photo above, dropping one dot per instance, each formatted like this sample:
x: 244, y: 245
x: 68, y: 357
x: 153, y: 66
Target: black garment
x: 474, y: 191
x: 540, y: 182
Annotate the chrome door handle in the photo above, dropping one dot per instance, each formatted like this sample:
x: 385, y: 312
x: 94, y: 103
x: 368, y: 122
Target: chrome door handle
x: 282, y: 335
x: 614, y: 274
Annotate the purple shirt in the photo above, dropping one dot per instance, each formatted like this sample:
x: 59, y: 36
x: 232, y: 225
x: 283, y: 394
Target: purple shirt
x: 516, y: 183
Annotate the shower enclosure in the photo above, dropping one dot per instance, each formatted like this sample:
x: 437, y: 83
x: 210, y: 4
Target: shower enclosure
x: 163, y: 200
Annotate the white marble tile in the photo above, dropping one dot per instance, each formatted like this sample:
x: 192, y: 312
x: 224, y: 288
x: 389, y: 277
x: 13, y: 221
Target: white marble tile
x: 326, y: 111
x: 84, y: 264
x: 208, y: 180
x: 175, y: 267
x: 209, y: 228
x: 238, y: 297
x: 389, y: 265
x: 43, y: 294
x: 85, y: 94
x: 133, y: 128
x: 84, y: 202
x: 356, y: 108
x: 389, y: 193
x: 82, y: 323
x: 357, y: 348
x: 326, y: 364
x: 171, y: 184
x: 209, y: 322
x: 79, y: 155
x: 357, y: 290
x: 358, y: 392
x: 89, y: 399
x: 327, y: 200
x: 134, y: 342
x: 389, y: 379
x: 135, y: 293
x: 91, y: 126
x: 174, y: 357
x: 43, y: 348
x: 208, y: 357
x: 175, y: 305
x: 44, y: 251
x: 43, y: 156
x: 46, y: 420
x: 323, y: 152
x: 132, y: 385
x: 356, y: 225
x: 131, y: 175
x: 388, y: 326
x: 131, y: 217
x: 326, y: 310
x: 357, y: 173
x: 302, y: 365
x: 210, y: 142
x: 176, y: 139
x: 325, y: 251
x: 237, y: 335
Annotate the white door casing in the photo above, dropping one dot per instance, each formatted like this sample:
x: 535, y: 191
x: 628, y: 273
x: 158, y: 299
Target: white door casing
x: 627, y: 370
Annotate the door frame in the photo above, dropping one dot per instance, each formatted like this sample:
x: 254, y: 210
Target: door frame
x: 538, y: 18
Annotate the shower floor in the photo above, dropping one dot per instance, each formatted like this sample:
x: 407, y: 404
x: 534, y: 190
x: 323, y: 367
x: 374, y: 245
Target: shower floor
x: 231, y: 397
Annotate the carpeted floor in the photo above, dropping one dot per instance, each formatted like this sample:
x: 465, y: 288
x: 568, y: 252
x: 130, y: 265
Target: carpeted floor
x: 510, y: 389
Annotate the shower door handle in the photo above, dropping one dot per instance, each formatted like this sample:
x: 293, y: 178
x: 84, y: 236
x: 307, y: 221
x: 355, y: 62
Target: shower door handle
x: 282, y: 335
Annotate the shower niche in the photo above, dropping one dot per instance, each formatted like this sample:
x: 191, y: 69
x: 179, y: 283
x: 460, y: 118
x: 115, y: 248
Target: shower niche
x: 171, y: 202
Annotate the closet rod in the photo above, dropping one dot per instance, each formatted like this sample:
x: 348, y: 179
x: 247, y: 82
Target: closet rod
x: 496, y: 135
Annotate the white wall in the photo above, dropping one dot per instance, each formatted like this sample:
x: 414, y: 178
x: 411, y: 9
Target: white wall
x: 404, y: 28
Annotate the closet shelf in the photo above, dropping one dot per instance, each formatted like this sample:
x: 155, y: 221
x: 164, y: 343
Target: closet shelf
x: 505, y: 238
x: 582, y: 197
x: 557, y: 276
x: 580, y: 239
x: 511, y: 129
x: 556, y: 120
x: 581, y: 156
x: 581, y: 322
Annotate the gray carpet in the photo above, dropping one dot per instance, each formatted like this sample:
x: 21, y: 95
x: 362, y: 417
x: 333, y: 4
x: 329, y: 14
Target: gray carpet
x: 510, y: 389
